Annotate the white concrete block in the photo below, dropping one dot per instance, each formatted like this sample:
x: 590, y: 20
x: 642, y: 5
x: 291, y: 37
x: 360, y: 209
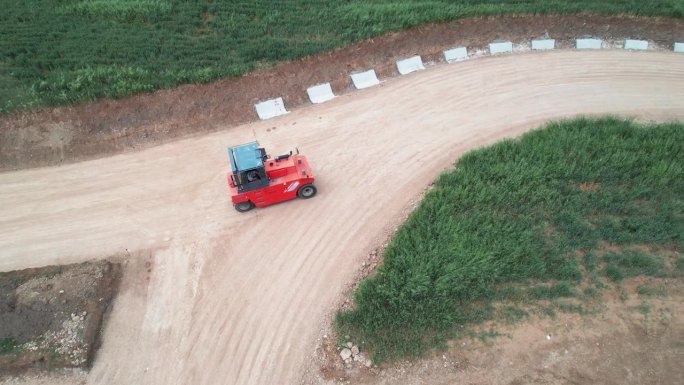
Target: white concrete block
x: 271, y: 108
x: 543, y: 44
x: 679, y: 47
x: 365, y: 79
x: 502, y: 47
x: 320, y: 93
x: 636, y: 44
x: 589, y: 43
x: 412, y: 64
x: 455, y: 54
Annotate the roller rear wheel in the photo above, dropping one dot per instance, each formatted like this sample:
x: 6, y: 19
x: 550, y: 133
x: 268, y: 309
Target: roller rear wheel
x: 307, y: 191
x: 244, y: 206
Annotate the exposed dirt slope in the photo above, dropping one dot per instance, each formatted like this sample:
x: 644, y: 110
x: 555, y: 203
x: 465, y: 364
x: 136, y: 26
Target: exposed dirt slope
x: 634, y: 340
x: 213, y: 296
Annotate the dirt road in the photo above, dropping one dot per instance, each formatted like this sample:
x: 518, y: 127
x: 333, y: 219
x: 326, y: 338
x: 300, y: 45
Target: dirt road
x: 211, y: 296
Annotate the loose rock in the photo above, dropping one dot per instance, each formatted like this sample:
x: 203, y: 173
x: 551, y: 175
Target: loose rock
x: 345, y: 354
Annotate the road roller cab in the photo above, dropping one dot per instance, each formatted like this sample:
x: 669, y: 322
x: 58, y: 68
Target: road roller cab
x: 257, y: 180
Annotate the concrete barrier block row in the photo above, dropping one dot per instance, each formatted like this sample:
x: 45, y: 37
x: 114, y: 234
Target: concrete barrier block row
x: 588, y: 44
x: 543, y: 44
x: 636, y: 44
x: 500, y: 47
x: 456, y: 54
x: 322, y: 93
x: 412, y: 64
x: 270, y: 108
x: 365, y: 79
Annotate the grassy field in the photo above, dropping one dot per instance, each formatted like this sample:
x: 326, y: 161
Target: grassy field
x: 66, y: 51
x: 562, y: 212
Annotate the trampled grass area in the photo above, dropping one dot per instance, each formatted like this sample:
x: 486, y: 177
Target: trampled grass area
x: 61, y: 52
x: 559, y: 213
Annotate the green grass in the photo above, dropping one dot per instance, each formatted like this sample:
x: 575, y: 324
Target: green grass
x: 8, y: 346
x: 680, y: 264
x: 511, y: 222
x: 562, y: 289
x: 571, y: 308
x: 632, y: 263
x: 590, y: 292
x: 67, y: 51
x: 650, y: 291
x: 512, y: 315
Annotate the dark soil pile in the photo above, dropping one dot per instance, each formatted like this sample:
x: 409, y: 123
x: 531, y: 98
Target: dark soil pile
x: 51, y: 317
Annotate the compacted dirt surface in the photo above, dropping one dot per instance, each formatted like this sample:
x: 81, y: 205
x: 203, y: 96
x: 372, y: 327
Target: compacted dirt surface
x: 209, y: 295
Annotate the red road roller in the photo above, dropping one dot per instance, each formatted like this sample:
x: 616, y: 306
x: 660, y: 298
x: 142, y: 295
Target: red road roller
x: 257, y: 180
